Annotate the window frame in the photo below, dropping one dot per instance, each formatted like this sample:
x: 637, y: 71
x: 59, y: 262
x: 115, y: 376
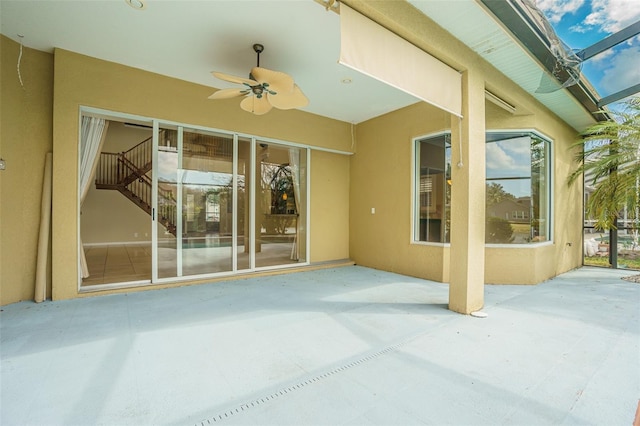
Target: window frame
x: 415, y: 185
x: 153, y: 122
x: 550, y: 177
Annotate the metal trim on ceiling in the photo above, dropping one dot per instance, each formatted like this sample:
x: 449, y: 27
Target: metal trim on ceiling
x: 517, y: 21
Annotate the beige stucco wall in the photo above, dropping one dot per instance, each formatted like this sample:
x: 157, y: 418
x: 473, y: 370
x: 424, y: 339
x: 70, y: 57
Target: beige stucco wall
x: 379, y: 175
x: 383, y: 240
x: 83, y: 81
x: 381, y: 178
x: 25, y: 138
x: 536, y: 263
x: 329, y: 206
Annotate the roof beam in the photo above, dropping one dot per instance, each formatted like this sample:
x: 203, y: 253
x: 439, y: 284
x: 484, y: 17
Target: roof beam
x: 619, y: 95
x: 609, y: 41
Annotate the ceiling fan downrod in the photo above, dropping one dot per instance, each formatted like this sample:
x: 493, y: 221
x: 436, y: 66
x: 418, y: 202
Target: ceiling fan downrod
x: 258, y: 48
x: 260, y: 88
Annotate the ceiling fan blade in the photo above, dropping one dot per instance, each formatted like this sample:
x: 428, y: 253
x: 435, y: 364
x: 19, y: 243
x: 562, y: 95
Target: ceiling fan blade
x: 277, y: 81
x: 293, y: 99
x: 228, y: 93
x: 234, y: 79
x: 255, y: 105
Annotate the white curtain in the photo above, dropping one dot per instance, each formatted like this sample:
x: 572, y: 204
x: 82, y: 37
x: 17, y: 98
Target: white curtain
x: 92, y: 135
x: 294, y: 165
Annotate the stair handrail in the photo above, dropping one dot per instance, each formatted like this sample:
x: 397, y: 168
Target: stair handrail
x: 133, y: 169
x: 127, y: 172
x: 140, y: 154
x: 164, y: 193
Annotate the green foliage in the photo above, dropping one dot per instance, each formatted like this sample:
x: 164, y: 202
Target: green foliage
x: 278, y: 180
x: 498, y: 230
x: 496, y: 193
x: 604, y: 262
x: 609, y: 157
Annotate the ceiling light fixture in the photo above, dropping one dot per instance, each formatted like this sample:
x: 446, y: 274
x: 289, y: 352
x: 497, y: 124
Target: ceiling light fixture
x: 136, y: 4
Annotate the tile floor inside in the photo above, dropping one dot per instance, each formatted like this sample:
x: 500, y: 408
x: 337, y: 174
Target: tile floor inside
x: 120, y: 263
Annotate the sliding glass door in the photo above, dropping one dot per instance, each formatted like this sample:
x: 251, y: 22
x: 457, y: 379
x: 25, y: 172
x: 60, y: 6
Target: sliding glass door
x: 207, y: 203
x: 165, y: 213
x: 225, y: 203
x: 280, y: 205
x: 244, y: 252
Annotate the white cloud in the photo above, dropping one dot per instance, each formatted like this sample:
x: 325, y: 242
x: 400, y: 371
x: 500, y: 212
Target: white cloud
x: 519, y: 147
x: 502, y: 163
x: 497, y: 159
x: 554, y: 10
x: 624, y: 70
x: 579, y: 29
x: 603, y: 58
x: 613, y: 15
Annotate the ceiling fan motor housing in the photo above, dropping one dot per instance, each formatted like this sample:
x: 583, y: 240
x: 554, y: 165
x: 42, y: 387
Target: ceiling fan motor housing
x: 257, y: 90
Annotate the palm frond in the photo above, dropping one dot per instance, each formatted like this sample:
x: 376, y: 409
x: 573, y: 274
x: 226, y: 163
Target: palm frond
x: 608, y: 156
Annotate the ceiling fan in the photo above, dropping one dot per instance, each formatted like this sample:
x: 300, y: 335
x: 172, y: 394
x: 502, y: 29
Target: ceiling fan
x: 263, y: 89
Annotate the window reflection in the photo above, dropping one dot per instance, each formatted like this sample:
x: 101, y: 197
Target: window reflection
x: 281, y: 205
x: 517, y: 190
x: 433, y: 188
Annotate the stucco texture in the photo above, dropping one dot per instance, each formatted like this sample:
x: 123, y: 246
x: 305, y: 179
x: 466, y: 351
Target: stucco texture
x: 85, y: 81
x: 25, y: 138
x: 383, y: 160
x: 344, y: 188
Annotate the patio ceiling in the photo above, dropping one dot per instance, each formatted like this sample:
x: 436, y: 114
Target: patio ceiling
x: 476, y: 25
x: 189, y: 39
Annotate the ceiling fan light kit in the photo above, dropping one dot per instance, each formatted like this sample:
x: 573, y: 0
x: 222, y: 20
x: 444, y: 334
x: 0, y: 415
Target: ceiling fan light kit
x: 263, y: 90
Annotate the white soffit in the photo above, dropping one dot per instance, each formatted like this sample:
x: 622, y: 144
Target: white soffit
x: 468, y: 21
x: 189, y: 39
x: 375, y: 51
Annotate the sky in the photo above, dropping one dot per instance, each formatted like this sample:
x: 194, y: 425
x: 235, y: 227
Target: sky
x: 580, y: 23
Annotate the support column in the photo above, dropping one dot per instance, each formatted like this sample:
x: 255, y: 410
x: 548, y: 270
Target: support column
x: 466, y: 286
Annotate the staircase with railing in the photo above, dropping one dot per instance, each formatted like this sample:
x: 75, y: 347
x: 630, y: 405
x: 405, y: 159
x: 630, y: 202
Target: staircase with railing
x: 128, y: 173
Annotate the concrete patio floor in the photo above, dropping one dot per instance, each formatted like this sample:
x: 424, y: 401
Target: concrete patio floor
x: 343, y: 346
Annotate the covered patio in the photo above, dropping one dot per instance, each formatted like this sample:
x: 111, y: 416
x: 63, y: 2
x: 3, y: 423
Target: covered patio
x: 347, y: 345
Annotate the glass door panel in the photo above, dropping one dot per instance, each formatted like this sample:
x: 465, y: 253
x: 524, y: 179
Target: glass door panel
x: 300, y: 173
x: 280, y: 205
x: 243, y: 210
x: 167, y: 199
x: 227, y: 203
x: 207, y: 202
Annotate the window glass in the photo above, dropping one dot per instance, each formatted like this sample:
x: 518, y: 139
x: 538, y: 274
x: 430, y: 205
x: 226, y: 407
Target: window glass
x: 540, y: 189
x: 517, y: 188
x: 281, y: 202
x: 206, y: 183
x: 433, y: 189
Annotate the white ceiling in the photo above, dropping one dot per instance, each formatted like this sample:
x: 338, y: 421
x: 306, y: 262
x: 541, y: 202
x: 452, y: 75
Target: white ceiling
x: 189, y: 39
